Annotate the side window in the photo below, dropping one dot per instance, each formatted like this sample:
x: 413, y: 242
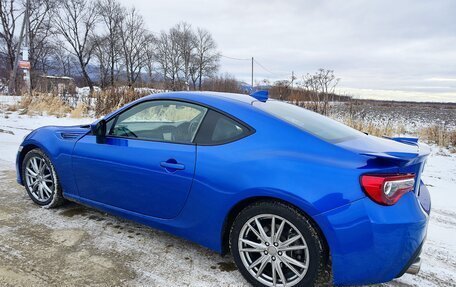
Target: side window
x: 169, y: 121
x: 218, y: 129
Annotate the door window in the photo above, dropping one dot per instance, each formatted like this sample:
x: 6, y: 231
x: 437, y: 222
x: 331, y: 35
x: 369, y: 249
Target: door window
x: 169, y: 121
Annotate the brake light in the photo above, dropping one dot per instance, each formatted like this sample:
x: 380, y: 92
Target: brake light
x: 387, y: 189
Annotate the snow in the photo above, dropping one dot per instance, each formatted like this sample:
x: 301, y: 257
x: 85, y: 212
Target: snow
x: 9, y: 100
x: 439, y: 253
x: 85, y: 91
x: 398, y: 95
x: 22, y: 125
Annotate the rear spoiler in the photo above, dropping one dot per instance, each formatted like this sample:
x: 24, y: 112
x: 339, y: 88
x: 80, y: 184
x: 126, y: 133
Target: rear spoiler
x: 406, y: 140
x: 403, y: 158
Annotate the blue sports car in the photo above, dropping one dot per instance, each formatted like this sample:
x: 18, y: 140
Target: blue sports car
x: 287, y: 191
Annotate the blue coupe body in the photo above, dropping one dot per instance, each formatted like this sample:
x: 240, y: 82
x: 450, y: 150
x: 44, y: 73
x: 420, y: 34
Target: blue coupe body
x: 194, y: 188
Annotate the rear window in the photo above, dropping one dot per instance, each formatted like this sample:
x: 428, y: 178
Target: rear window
x: 313, y: 123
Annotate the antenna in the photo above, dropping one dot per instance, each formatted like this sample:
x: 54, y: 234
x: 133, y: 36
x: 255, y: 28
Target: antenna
x: 262, y: 95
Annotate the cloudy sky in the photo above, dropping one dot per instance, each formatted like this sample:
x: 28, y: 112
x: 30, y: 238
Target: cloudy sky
x: 407, y: 48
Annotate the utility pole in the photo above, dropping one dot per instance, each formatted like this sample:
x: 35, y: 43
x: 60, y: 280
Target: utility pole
x: 25, y: 26
x: 26, y: 48
x: 292, y: 81
x: 252, y: 73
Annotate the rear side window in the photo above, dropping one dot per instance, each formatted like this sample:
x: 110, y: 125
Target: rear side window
x: 217, y: 128
x: 313, y: 123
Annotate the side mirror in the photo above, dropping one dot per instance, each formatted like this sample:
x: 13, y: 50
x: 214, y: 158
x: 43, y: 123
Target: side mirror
x: 99, y: 130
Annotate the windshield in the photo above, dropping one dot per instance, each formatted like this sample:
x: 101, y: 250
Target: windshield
x: 313, y: 123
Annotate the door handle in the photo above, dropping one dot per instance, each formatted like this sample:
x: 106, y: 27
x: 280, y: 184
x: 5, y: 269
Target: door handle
x: 172, y: 164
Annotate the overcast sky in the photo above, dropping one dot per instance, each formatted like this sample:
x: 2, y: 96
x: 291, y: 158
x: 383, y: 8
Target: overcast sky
x: 398, y: 45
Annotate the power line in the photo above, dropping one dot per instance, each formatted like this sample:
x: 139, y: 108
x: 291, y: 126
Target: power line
x: 281, y: 75
x: 238, y: 59
x: 264, y: 68
x: 259, y: 64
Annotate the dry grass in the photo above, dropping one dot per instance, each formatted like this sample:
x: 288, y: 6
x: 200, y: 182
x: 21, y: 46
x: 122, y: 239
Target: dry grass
x: 373, y: 128
x: 112, y: 99
x: 44, y: 104
x: 360, y: 117
x: 52, y: 104
x: 436, y: 134
x: 439, y: 135
x: 80, y: 111
x: 12, y: 108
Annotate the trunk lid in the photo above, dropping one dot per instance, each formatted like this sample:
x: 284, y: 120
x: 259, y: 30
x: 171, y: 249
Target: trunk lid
x: 402, y: 150
x: 403, y: 153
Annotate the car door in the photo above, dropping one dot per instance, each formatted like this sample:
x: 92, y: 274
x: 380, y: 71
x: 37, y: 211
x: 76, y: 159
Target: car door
x: 147, y: 162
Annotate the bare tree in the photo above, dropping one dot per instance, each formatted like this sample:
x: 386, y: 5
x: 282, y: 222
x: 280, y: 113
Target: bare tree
x: 102, y: 55
x: 9, y: 15
x: 322, y: 85
x: 134, y: 38
x: 112, y: 14
x: 283, y: 89
x: 327, y: 81
x: 185, y: 41
x: 75, y: 21
x: 150, y: 57
x: 169, y: 58
x: 63, y: 61
x: 310, y: 83
x: 185, y: 57
x: 205, y: 59
x: 41, y: 48
x: 162, y: 56
x: 223, y: 83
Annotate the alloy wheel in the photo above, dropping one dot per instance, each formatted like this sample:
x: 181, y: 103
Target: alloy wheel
x: 39, y: 179
x: 273, y: 250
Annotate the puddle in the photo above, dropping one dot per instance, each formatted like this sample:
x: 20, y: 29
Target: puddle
x: 97, y: 218
x: 227, y: 266
x: 74, y: 211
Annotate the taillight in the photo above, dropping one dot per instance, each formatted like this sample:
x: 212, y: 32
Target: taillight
x: 387, y: 189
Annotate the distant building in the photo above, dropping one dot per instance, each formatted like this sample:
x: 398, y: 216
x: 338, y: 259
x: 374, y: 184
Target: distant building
x: 55, y: 84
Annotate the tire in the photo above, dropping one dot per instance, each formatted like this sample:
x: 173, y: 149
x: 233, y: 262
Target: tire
x: 40, y: 180
x: 271, y: 250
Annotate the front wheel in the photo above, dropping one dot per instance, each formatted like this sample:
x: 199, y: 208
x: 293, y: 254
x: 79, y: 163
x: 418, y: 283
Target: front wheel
x: 273, y: 244
x: 40, y: 179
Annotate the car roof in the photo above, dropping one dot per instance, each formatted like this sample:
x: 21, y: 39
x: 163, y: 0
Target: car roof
x: 213, y: 99
x: 201, y: 96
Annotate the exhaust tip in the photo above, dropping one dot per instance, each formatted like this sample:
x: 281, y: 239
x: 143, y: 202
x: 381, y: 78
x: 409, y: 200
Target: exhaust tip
x: 415, y: 267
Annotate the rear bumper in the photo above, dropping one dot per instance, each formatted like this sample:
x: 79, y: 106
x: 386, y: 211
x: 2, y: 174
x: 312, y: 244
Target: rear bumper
x: 370, y: 243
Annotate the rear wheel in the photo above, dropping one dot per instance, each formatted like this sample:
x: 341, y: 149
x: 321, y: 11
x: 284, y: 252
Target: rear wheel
x: 40, y: 179
x: 273, y: 244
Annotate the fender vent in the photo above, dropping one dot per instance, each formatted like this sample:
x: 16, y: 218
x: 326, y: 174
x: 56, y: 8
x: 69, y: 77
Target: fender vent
x: 70, y: 136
